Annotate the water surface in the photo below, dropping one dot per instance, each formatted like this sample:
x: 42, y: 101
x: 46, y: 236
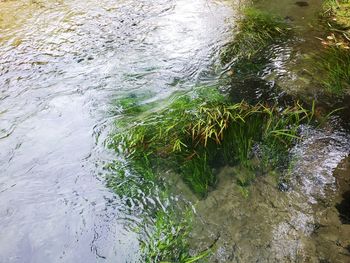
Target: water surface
x: 61, y: 65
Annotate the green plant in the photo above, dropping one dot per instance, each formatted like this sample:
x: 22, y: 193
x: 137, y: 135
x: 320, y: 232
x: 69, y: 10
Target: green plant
x: 338, y: 14
x: 133, y: 180
x: 198, y: 128
x: 167, y: 240
x: 164, y: 231
x: 198, y: 174
x: 334, y: 60
x: 188, y: 136
x: 281, y: 132
x: 335, y: 63
x: 256, y: 31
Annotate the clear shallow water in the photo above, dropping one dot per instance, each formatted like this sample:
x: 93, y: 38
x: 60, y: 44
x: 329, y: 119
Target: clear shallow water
x: 304, y: 219
x: 62, y: 62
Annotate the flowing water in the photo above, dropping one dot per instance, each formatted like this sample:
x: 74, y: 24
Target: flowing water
x: 63, y: 63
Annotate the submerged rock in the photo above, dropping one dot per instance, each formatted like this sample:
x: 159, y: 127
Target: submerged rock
x: 302, y: 3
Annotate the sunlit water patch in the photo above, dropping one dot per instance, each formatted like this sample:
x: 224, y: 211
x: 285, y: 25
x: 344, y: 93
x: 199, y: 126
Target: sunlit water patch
x: 61, y: 63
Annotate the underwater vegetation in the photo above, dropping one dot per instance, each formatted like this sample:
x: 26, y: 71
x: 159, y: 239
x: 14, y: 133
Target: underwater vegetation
x: 168, y: 240
x: 256, y: 31
x: 198, y: 130
x: 190, y: 136
x: 164, y: 230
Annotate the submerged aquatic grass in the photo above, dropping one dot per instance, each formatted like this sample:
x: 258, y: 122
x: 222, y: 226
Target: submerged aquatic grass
x: 132, y: 179
x: 168, y: 239
x: 256, y: 31
x: 196, y: 130
x: 193, y: 133
x: 164, y: 230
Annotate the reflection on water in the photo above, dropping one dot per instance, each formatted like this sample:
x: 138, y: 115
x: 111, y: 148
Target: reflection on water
x: 61, y: 62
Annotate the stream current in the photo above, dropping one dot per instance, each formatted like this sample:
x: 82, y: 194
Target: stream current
x: 63, y: 63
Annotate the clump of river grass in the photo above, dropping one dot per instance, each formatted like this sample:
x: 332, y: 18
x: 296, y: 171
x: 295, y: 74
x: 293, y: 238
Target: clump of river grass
x: 163, y: 229
x: 256, y: 31
x: 190, y: 136
x: 198, y: 130
x: 334, y: 60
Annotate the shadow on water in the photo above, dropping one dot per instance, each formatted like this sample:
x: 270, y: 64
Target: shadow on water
x: 344, y: 208
x: 254, y: 89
